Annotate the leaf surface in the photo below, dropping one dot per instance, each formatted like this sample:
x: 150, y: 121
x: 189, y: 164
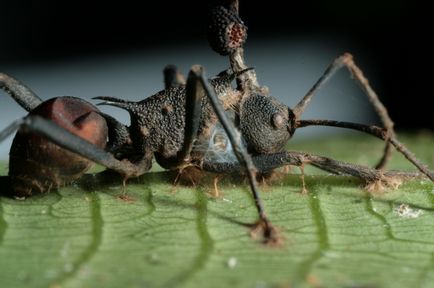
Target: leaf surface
x: 161, y: 235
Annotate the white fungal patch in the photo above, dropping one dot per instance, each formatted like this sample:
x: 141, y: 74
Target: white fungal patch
x: 232, y: 262
x: 218, y: 149
x: 405, y: 211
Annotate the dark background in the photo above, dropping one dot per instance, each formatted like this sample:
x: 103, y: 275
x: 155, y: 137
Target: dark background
x: 41, y: 31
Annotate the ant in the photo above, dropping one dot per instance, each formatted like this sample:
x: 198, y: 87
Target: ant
x: 60, y: 138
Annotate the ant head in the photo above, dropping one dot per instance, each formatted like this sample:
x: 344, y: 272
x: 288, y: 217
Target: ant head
x: 266, y: 124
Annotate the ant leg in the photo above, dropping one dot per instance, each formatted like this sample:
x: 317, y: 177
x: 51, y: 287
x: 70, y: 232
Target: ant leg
x: 193, y: 111
x: 347, y: 61
x: 25, y: 97
x: 244, y: 158
x: 172, y: 77
x: 268, y: 162
x: 377, y: 132
x: 75, y: 144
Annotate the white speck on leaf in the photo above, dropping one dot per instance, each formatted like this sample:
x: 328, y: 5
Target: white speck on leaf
x: 154, y: 258
x: 227, y: 200
x: 332, y: 254
x: 405, y: 211
x: 232, y: 262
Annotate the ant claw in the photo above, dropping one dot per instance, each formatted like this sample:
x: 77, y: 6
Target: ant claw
x: 271, y: 236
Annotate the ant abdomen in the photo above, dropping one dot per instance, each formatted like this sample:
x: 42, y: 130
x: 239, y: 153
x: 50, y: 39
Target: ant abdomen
x: 38, y: 165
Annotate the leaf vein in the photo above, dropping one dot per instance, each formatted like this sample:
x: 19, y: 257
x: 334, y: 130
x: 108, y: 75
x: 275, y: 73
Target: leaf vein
x: 206, y: 245
x: 322, y: 234
x: 97, y: 224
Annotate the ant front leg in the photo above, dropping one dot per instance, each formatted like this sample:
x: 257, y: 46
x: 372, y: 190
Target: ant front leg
x: 373, y: 178
x: 245, y: 160
x: 377, y: 132
x: 25, y: 97
x: 268, y: 162
x: 346, y: 60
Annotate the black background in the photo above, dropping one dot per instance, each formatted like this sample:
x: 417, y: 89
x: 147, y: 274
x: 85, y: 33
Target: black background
x: 379, y: 30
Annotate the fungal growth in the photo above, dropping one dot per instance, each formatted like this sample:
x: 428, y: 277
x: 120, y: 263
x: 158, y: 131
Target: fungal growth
x: 226, y: 31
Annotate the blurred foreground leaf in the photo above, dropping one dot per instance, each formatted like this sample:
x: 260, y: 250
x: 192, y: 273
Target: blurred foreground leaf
x: 162, y: 235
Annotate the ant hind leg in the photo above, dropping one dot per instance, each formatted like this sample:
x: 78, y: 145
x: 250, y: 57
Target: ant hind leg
x: 25, y: 97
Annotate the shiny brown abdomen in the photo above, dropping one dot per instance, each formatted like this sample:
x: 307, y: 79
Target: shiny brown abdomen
x: 37, y: 165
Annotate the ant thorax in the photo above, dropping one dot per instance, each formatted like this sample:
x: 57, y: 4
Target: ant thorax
x: 214, y: 144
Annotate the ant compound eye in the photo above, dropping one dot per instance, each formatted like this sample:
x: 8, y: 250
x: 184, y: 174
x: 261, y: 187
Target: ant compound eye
x: 278, y: 121
x: 226, y: 31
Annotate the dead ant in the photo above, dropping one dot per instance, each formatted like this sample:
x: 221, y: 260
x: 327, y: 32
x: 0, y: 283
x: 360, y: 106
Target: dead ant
x: 175, y: 124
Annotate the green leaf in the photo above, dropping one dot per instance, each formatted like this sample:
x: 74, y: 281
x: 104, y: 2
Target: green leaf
x: 162, y: 235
